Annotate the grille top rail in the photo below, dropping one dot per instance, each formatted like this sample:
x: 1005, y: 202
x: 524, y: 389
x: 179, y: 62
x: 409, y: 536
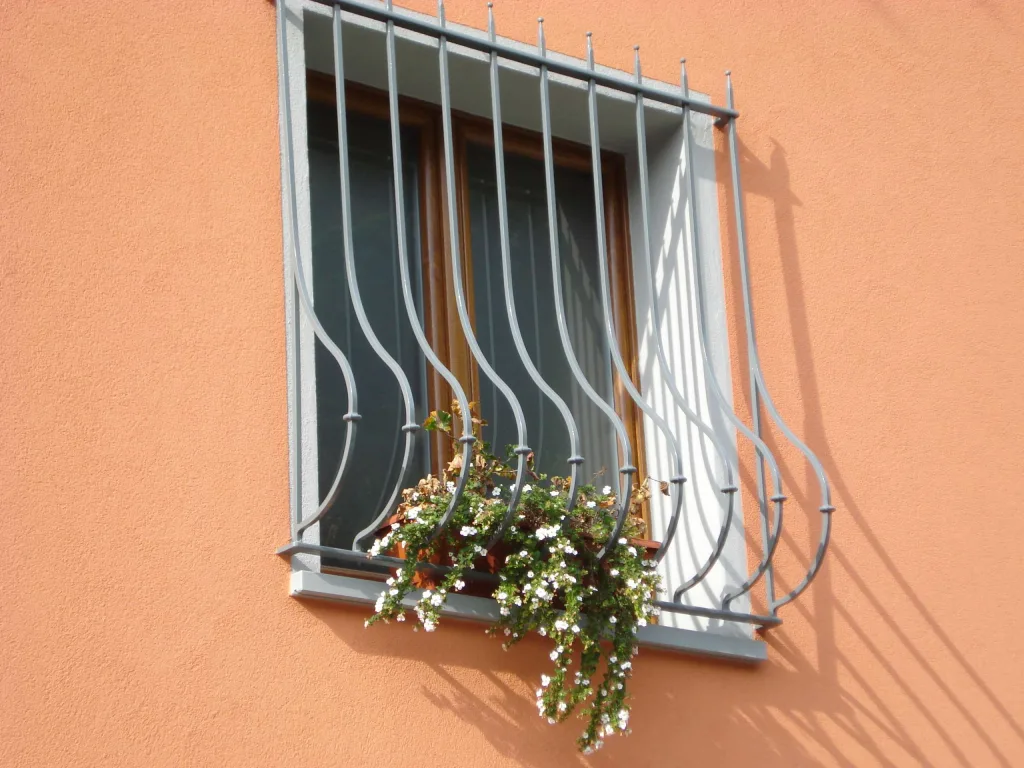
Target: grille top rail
x: 771, y: 521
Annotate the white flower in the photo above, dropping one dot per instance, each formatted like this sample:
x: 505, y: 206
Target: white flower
x: 390, y: 582
x: 400, y: 617
x: 627, y: 664
x: 450, y: 487
x: 541, y: 592
x: 545, y: 680
x: 561, y: 706
x: 427, y: 593
x: 496, y: 491
x: 481, y: 550
x: 576, y: 628
x: 459, y: 584
x: 614, y: 572
x: 523, y: 553
x: 542, y: 632
x: 561, y: 625
x: 507, y: 631
x: 468, y: 530
x: 429, y: 626
x: 606, y: 490
x: 392, y: 591
x: 553, y: 655
x: 631, y: 583
x: 437, y: 599
x: 612, y: 619
x: 504, y: 611
x: 554, y: 494
x: 379, y: 604
x: 413, y: 513
x: 529, y: 574
x: 632, y: 550
x: 591, y: 504
x: 622, y: 540
x: 551, y: 721
x: 642, y: 623
x: 527, y: 488
x: 416, y: 496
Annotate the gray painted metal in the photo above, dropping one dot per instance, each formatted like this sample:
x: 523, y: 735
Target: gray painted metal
x: 353, y: 558
x: 524, y: 56
x: 626, y: 470
x: 728, y: 457
x: 311, y: 584
x: 466, y: 439
x: 411, y: 427
x: 305, y: 300
x: 575, y: 459
x: 678, y: 478
x: 758, y: 385
x: 764, y: 454
x: 345, y: 589
x: 521, y: 450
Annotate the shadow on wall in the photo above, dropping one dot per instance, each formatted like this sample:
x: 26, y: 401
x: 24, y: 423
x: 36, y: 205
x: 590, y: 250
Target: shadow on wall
x: 832, y: 692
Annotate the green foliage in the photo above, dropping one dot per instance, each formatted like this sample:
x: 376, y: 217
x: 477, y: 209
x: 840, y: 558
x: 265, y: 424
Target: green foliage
x: 551, y: 582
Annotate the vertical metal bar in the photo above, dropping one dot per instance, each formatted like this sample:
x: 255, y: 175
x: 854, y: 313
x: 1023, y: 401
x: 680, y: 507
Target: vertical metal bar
x: 678, y: 478
x: 769, y: 535
x: 352, y: 415
x: 728, y: 458
x: 575, y: 459
x: 467, y: 439
x: 521, y: 450
x: 410, y: 428
x: 626, y: 470
x: 755, y: 398
x: 757, y: 378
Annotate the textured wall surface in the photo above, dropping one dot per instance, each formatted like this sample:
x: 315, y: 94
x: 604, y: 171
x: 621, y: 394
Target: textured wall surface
x: 143, y: 428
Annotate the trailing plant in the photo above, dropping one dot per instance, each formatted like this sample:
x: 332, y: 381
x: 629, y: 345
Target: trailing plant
x: 551, y: 582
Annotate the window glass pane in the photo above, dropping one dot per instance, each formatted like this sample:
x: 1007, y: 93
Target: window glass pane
x: 376, y: 458
x: 533, y: 289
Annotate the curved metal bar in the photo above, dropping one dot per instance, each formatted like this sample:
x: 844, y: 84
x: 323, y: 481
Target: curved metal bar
x: 609, y: 324
x: 770, y: 536
x: 627, y: 470
x: 352, y: 414
x: 410, y: 427
x: 756, y: 375
x: 467, y: 439
x: 729, y: 487
x: 575, y: 459
x: 521, y: 450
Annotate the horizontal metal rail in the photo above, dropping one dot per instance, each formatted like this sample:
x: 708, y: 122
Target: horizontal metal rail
x: 766, y: 466
x: 527, y: 57
x: 350, y: 557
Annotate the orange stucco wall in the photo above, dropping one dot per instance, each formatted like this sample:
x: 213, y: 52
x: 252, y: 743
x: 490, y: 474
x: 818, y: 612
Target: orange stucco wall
x: 143, y: 617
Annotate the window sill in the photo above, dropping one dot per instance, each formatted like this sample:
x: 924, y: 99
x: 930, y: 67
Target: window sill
x: 346, y: 589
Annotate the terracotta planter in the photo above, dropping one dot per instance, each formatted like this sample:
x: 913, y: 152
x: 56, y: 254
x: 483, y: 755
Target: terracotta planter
x: 491, y: 563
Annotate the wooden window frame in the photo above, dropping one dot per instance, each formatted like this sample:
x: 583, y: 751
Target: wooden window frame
x: 440, y: 318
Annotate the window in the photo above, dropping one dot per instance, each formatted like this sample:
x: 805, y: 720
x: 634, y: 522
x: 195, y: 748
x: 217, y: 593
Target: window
x: 641, y: 359
x: 375, y: 467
